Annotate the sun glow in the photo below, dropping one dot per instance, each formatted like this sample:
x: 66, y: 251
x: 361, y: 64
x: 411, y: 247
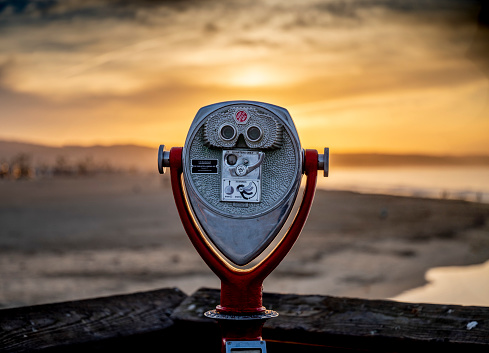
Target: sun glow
x: 340, y: 71
x: 254, y: 77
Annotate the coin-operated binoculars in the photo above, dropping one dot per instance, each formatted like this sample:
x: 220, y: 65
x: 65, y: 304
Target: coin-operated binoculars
x: 235, y: 182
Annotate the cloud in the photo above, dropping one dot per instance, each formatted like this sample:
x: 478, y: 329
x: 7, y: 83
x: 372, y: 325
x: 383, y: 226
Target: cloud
x: 53, y: 10
x: 68, y: 9
x: 351, y: 8
x: 65, y: 48
x: 86, y: 71
x: 479, y: 48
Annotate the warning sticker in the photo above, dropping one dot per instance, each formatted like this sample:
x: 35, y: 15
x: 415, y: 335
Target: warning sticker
x: 204, y: 166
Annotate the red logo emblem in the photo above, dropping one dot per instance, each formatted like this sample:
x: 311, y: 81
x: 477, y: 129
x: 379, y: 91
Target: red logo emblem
x: 241, y: 117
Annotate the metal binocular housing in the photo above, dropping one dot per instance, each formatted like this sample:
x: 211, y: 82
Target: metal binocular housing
x: 242, y: 168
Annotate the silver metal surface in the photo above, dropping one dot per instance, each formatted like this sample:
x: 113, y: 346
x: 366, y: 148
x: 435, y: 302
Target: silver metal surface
x: 267, y: 314
x: 323, y: 161
x: 241, y: 240
x: 242, y: 203
x: 163, y: 159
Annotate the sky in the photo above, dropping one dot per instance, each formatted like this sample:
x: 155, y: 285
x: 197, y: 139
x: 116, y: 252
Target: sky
x: 385, y: 76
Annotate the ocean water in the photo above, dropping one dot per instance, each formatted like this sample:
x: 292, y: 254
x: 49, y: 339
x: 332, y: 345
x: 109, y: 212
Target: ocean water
x: 469, y: 183
x: 461, y: 285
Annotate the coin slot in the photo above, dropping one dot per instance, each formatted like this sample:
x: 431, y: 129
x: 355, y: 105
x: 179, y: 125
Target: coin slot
x: 231, y: 159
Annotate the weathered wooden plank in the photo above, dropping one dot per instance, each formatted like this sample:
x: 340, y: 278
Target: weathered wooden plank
x: 163, y: 319
x: 88, y: 321
x: 372, y: 325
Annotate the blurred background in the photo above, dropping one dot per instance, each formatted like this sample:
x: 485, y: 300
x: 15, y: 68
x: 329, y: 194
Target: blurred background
x: 398, y: 89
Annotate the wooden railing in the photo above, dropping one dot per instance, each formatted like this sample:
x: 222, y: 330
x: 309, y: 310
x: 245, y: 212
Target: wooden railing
x: 167, y: 319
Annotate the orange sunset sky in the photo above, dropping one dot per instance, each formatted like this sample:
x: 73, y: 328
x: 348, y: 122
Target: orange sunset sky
x: 392, y: 76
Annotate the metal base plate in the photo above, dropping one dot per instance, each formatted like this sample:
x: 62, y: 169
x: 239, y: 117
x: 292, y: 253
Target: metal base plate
x: 267, y: 314
x: 246, y: 346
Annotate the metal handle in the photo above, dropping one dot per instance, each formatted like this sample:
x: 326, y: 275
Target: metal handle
x: 163, y: 159
x: 323, y: 161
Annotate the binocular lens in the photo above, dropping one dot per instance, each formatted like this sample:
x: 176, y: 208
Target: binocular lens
x: 228, y: 132
x: 254, y: 133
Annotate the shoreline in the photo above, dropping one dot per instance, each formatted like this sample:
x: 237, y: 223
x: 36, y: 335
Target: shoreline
x: 463, y: 183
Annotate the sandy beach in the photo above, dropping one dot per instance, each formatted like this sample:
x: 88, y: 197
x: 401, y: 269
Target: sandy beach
x: 73, y: 238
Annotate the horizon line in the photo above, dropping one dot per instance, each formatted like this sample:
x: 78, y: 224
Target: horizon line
x: 151, y: 146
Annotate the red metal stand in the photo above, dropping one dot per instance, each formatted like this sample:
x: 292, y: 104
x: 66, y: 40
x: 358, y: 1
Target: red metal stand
x: 241, y: 290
